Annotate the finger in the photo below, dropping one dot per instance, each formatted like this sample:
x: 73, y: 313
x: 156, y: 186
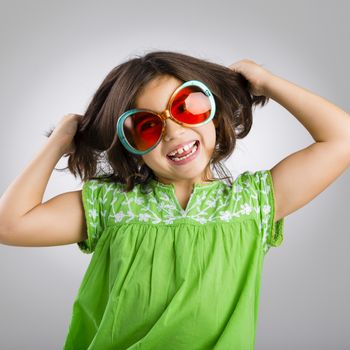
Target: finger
x: 234, y: 67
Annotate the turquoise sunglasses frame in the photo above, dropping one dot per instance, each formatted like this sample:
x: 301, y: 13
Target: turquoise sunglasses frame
x: 164, y: 115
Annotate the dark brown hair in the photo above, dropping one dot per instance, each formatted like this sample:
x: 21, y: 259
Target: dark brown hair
x: 96, y: 141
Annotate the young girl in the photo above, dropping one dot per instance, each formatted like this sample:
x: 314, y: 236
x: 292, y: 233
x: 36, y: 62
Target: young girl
x: 178, y: 252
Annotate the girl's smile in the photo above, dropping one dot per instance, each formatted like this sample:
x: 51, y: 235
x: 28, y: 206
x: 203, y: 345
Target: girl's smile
x: 186, y: 156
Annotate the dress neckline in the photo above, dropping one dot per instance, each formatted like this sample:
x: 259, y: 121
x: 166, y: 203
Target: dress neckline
x: 170, y: 188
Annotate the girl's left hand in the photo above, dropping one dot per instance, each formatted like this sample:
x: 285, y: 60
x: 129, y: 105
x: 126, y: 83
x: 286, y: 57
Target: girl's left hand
x: 254, y: 73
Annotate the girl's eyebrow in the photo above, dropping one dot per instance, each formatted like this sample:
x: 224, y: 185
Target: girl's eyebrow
x: 150, y: 109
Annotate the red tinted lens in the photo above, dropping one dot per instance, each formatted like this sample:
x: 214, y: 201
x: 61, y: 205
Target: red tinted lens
x: 191, y: 105
x: 142, y: 130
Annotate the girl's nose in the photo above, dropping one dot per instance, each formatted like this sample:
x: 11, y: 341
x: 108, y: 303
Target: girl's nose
x: 173, y: 130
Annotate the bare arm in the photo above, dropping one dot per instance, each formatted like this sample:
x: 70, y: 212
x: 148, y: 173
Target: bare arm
x: 24, y: 219
x: 303, y: 175
x: 58, y: 221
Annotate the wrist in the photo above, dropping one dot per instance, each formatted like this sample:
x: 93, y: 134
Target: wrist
x: 268, y: 84
x: 56, y: 146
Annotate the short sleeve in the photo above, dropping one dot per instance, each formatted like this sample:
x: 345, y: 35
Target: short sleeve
x: 262, y: 186
x: 92, y: 193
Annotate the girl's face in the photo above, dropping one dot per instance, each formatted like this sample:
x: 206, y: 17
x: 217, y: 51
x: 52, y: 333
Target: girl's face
x: 155, y: 96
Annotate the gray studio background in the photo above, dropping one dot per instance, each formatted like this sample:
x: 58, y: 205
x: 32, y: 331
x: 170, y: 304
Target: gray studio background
x: 55, y: 54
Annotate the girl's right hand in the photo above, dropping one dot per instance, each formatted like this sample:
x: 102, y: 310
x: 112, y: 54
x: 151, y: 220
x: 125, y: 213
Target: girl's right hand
x: 64, y: 132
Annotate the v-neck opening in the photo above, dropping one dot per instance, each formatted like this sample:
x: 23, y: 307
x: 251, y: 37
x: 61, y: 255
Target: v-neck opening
x: 171, y: 186
x: 171, y: 189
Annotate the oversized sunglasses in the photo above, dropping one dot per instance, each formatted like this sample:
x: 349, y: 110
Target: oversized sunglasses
x: 140, y: 130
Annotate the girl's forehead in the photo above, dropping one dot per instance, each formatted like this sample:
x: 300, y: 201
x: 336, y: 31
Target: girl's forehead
x: 156, y: 93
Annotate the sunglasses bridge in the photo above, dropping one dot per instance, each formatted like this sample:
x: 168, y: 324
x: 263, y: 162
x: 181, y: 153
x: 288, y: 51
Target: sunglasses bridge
x: 167, y: 115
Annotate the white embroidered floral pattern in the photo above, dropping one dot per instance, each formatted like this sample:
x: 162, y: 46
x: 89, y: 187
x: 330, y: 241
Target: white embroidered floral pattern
x: 251, y: 196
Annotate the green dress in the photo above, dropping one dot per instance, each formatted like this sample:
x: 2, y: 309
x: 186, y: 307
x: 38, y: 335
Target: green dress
x: 164, y: 278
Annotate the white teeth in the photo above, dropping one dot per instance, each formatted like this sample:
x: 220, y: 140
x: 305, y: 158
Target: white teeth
x: 193, y: 150
x: 182, y: 149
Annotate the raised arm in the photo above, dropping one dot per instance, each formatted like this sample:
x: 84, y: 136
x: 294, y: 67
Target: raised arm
x: 24, y: 219
x: 303, y: 175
